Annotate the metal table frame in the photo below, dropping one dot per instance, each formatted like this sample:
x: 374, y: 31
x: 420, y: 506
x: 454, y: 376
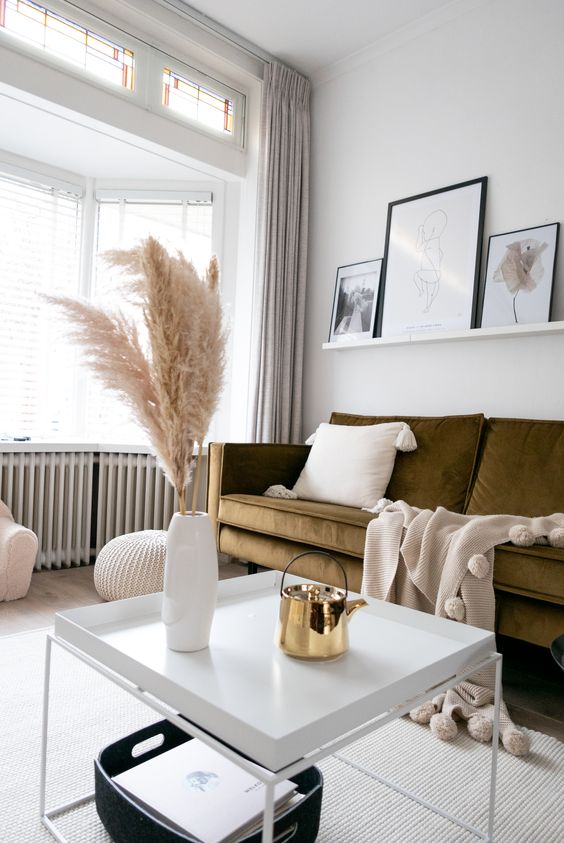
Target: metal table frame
x: 269, y: 778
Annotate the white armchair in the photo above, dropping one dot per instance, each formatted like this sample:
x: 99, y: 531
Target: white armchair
x: 18, y: 551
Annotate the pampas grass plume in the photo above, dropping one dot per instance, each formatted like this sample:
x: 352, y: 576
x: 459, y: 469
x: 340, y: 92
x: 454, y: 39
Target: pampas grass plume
x: 173, y: 390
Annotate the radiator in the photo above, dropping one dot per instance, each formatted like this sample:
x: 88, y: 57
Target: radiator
x: 133, y: 494
x: 76, y: 501
x: 51, y: 493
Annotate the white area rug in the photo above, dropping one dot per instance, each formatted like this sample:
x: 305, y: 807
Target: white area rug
x: 88, y: 712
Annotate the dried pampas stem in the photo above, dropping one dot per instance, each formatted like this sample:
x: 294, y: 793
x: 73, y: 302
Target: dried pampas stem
x: 197, y: 479
x: 182, y: 502
x: 172, y: 390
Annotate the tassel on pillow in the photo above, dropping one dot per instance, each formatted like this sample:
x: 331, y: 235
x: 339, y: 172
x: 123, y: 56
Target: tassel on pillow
x: 406, y: 441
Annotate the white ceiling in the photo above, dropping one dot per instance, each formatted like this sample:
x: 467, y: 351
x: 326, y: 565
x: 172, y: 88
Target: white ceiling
x: 311, y: 34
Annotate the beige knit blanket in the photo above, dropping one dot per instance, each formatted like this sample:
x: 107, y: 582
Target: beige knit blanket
x: 442, y: 563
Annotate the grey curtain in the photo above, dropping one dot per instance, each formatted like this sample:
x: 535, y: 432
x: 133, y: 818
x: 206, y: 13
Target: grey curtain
x: 279, y: 308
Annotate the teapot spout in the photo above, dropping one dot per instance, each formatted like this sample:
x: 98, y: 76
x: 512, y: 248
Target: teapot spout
x: 353, y: 605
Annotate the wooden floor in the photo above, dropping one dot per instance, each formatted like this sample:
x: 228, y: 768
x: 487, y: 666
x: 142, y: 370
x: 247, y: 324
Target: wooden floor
x: 533, y: 683
x: 49, y: 592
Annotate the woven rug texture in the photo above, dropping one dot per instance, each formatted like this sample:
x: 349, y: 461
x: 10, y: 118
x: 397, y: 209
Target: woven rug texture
x: 88, y: 712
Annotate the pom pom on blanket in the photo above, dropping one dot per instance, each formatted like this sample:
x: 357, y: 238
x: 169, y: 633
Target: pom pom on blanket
x: 454, y: 607
x: 453, y: 706
x: 405, y: 440
x: 521, y: 536
x: 280, y: 491
x: 515, y: 742
x: 423, y: 713
x: 444, y: 727
x: 556, y: 537
x: 480, y: 728
x: 478, y: 565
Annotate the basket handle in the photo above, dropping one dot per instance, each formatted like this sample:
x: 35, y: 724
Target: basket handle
x: 286, y: 835
x: 314, y: 553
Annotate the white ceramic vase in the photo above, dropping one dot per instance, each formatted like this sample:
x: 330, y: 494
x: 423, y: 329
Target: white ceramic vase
x: 190, y: 582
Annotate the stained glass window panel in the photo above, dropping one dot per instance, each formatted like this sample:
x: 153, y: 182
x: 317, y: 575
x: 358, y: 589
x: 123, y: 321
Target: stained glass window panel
x: 196, y: 102
x: 68, y: 40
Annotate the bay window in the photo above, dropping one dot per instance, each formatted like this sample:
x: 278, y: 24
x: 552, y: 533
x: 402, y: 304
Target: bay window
x: 44, y: 391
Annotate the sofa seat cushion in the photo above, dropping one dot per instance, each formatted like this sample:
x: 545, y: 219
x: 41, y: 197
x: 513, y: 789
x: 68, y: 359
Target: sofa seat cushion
x: 440, y: 471
x: 324, y: 525
x: 520, y: 471
x: 536, y: 571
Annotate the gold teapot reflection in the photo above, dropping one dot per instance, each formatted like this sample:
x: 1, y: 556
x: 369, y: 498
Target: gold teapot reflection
x: 313, y: 618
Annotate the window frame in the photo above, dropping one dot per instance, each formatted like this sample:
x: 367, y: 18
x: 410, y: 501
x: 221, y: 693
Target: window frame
x: 158, y: 61
x: 99, y: 27
x: 149, y: 62
x: 41, y: 177
x: 144, y: 191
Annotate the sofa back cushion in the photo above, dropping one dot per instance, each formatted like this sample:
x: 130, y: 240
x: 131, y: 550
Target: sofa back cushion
x: 440, y: 471
x: 520, y: 470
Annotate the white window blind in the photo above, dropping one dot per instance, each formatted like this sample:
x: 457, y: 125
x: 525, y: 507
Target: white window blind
x: 39, y: 251
x: 181, y: 222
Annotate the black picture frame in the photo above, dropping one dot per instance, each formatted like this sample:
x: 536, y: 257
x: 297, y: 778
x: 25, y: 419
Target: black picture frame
x: 520, y: 261
x: 355, y: 301
x: 431, y: 268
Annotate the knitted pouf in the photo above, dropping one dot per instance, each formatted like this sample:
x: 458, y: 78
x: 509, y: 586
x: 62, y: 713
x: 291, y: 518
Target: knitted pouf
x: 131, y: 565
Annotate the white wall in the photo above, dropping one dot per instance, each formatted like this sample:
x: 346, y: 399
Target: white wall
x: 479, y: 95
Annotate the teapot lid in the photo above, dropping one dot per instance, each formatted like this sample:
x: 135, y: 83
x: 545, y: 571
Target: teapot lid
x: 315, y: 593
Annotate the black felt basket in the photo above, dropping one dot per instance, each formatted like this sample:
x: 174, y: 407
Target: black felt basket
x: 127, y: 822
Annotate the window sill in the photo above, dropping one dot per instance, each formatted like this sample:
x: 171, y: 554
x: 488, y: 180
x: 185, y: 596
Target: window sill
x: 45, y: 446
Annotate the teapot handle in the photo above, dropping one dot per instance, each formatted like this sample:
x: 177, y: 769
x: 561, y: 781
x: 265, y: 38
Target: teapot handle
x: 315, y: 553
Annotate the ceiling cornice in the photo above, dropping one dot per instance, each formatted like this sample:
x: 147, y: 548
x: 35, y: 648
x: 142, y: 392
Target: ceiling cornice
x: 433, y: 20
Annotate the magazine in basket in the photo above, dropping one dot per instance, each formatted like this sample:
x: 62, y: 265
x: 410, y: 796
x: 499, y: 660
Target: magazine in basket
x: 200, y: 791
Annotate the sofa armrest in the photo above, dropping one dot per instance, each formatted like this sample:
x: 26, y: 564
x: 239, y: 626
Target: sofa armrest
x: 5, y: 512
x: 249, y: 469
x: 18, y: 551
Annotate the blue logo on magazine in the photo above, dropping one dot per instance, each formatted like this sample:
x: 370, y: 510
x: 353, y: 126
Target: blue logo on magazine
x: 198, y: 780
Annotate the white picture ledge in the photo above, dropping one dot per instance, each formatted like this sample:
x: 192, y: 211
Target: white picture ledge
x: 451, y: 336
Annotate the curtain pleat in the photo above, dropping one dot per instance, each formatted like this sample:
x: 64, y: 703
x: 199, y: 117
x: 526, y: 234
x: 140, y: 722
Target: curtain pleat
x: 279, y: 310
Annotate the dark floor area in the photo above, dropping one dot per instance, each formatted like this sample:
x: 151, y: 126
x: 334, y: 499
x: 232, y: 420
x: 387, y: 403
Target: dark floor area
x: 533, y: 684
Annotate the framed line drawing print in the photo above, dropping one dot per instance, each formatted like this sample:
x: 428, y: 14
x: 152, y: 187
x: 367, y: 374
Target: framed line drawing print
x: 432, y: 260
x: 355, y: 300
x: 520, y: 276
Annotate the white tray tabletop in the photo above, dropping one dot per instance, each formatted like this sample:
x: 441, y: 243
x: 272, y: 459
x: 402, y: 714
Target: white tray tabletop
x: 246, y: 692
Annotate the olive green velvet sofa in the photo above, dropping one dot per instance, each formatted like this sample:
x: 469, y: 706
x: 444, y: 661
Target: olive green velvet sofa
x: 465, y: 463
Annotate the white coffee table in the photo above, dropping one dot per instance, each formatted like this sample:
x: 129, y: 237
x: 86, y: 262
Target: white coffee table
x: 283, y: 713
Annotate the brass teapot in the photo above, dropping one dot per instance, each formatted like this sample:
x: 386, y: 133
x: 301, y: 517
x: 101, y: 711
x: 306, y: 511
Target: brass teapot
x: 313, y: 618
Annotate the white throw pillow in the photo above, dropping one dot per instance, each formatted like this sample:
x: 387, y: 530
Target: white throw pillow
x: 352, y: 465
